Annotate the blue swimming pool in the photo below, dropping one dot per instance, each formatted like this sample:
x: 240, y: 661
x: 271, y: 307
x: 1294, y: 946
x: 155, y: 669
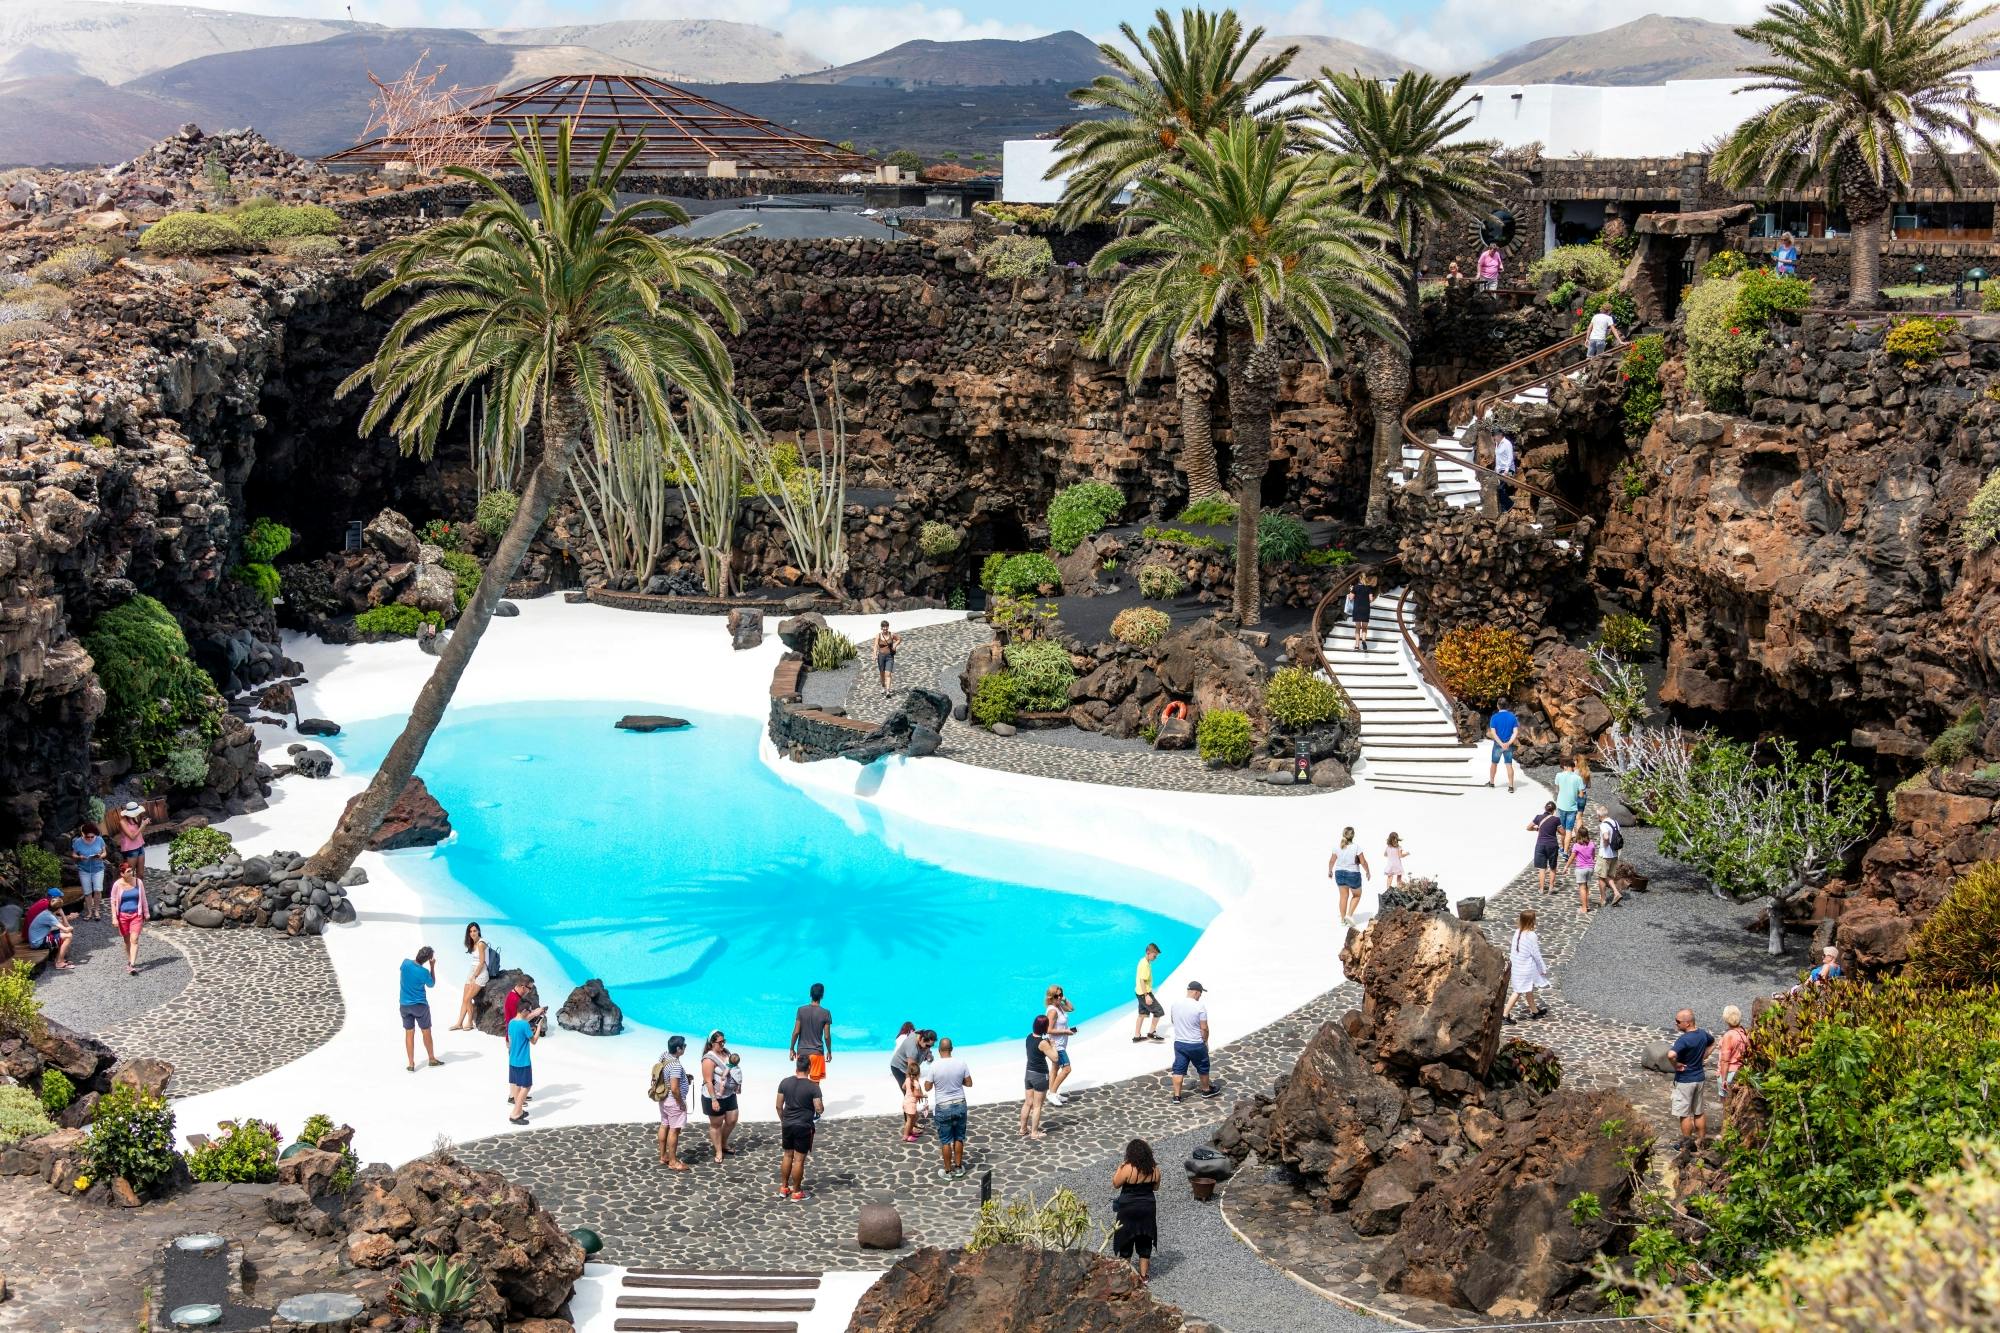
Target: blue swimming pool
x: 707, y: 893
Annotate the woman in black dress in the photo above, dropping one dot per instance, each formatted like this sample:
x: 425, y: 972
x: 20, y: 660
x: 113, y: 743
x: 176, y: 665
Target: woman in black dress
x: 1136, y: 1179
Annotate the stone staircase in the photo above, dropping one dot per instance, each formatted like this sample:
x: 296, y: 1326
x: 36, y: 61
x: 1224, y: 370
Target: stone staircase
x: 658, y: 1300
x: 1457, y: 484
x: 1408, y: 742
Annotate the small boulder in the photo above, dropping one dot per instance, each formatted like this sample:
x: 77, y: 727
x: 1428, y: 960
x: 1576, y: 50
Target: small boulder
x: 799, y: 631
x: 313, y: 764
x: 1175, y: 733
x: 414, y: 820
x: 285, y: 1203
x: 746, y: 628
x: 590, y: 1011
x: 202, y: 916
x: 923, y: 741
x: 1472, y: 909
x: 503, y: 609
x: 311, y: 1169
x: 390, y: 535
x: 650, y: 722
x: 147, y: 1073
x: 318, y: 726
x: 880, y: 1228
x: 489, y: 1007
x: 1659, y: 1057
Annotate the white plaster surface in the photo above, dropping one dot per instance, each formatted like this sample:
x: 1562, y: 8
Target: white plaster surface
x: 1273, y: 945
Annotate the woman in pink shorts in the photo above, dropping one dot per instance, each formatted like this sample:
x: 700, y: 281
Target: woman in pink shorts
x: 129, y: 911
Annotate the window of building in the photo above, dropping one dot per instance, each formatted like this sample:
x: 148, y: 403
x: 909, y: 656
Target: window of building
x: 1941, y: 222
x: 1800, y: 219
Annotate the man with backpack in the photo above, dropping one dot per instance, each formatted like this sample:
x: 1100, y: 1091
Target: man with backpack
x: 669, y: 1087
x: 1610, y: 842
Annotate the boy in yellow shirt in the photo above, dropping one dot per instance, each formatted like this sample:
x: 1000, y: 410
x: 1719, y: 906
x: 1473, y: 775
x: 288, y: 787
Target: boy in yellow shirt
x: 1149, y: 1004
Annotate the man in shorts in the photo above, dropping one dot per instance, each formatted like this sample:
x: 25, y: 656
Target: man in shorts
x: 47, y: 927
x: 521, y: 1038
x: 675, y: 1085
x: 1569, y: 799
x: 949, y: 1079
x: 812, y: 1034
x: 417, y: 976
x: 799, y: 1108
x: 1190, y: 1019
x: 1503, y: 729
x: 1149, y: 1003
x: 1690, y: 1053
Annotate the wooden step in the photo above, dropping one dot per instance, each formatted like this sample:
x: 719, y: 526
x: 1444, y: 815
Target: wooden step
x: 724, y: 1282
x: 653, y: 1325
x: 750, y: 1305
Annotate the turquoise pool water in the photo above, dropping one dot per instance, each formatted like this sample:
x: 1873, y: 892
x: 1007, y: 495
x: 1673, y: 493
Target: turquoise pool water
x: 709, y: 894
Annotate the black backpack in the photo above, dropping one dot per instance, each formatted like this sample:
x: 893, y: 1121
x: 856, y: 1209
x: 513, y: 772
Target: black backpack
x: 492, y: 960
x: 1616, y: 842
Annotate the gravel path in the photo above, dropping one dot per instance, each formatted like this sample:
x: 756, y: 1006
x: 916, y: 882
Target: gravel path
x: 98, y: 993
x: 1201, y: 1267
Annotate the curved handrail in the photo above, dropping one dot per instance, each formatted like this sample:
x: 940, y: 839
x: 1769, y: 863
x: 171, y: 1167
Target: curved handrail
x: 1459, y: 392
x: 1481, y: 406
x: 1336, y: 591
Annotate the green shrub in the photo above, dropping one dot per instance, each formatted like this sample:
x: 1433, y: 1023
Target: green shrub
x: 246, y: 1154
x: 1063, y: 1223
x: 131, y: 1135
x: 20, y: 1008
x: 996, y: 698
x: 1079, y: 510
x: 1159, y: 582
x: 1917, y: 341
x: 72, y: 263
x: 1762, y: 296
x: 1010, y: 257
x: 318, y: 1125
x: 1721, y: 349
x: 832, y: 650
x: 264, y: 578
x: 1989, y: 299
x: 1483, y: 664
x: 1956, y: 741
x: 1043, y: 673
x: 1954, y: 946
x: 193, y: 234
x: 465, y: 575
x: 1726, y: 265
x: 308, y: 248
x: 1622, y: 308
x: 57, y: 1091
x: 1182, y: 537
x: 1020, y: 574
x: 990, y: 569
x: 1280, y: 538
x: 185, y: 768
x: 495, y: 512
x: 1640, y: 370
x: 436, y: 1288
x: 1141, y: 626
x: 1223, y: 733
x: 1588, y: 266
x: 397, y: 619
x: 1981, y: 526
x: 1023, y: 616
x: 1214, y: 512
x: 280, y: 221
x: 41, y: 869
x: 265, y: 541
x: 1327, y: 557
x: 1625, y: 634
x: 442, y: 533
x: 1563, y: 296
x: 1297, y: 698
x: 937, y: 540
x: 153, y: 693
x: 193, y: 848
x: 22, y: 1116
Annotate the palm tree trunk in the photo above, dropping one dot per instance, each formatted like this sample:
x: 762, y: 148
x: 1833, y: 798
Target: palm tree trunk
x: 1194, y: 386
x: 1253, y: 384
x: 1388, y: 376
x: 561, y: 432
x: 1867, y: 206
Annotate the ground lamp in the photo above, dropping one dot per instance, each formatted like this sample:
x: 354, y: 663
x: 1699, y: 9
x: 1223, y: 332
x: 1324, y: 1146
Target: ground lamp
x: 589, y: 1240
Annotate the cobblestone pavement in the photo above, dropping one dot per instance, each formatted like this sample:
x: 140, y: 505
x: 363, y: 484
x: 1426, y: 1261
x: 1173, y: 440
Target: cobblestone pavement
x: 258, y: 999
x: 98, y: 993
x: 933, y: 655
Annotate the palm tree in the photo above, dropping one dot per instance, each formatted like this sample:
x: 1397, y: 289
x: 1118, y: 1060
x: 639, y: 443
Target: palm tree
x: 1861, y: 80
x: 554, y: 315
x: 1178, y: 85
x: 1393, y: 155
x: 1243, y: 232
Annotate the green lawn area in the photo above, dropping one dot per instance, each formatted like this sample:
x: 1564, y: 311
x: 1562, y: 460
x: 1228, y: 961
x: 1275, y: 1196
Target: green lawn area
x: 1922, y: 291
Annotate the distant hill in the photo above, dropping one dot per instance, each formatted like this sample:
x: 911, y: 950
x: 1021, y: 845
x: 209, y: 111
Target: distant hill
x: 71, y: 120
x: 1317, y: 53
x: 684, y: 50
x: 928, y: 121
x: 116, y: 42
x: 1653, y: 49
x: 1068, y: 59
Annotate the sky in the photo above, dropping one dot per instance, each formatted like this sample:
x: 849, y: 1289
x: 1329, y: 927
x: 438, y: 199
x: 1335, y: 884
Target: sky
x: 1440, y: 34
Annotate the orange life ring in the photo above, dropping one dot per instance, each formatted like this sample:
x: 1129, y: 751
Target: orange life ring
x: 1173, y: 712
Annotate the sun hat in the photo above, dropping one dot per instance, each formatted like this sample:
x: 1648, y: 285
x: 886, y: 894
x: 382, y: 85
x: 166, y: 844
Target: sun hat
x: 134, y: 808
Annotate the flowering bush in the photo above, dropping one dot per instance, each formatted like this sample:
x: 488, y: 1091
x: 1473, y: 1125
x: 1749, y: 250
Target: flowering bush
x: 1483, y: 664
x: 439, y: 533
x: 1640, y: 370
x: 131, y: 1135
x: 1917, y: 341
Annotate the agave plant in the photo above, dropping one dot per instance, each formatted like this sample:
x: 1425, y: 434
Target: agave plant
x: 435, y: 1289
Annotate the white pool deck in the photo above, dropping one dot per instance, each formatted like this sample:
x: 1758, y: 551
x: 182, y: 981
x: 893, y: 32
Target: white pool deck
x: 1272, y: 946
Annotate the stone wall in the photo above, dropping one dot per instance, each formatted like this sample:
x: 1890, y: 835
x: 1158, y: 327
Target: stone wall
x: 1804, y: 559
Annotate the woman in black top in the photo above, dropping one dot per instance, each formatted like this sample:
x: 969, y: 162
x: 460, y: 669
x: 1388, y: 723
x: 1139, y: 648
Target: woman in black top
x: 1041, y: 1053
x: 1136, y: 1179
x: 1361, y: 594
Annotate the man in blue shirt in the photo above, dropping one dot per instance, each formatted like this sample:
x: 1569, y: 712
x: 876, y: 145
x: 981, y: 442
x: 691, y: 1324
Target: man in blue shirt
x: 418, y: 977
x: 521, y: 1035
x: 1502, y: 729
x: 1690, y: 1053
x: 1569, y: 799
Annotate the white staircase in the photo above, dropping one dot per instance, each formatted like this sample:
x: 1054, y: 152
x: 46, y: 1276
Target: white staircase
x: 1457, y: 484
x: 1407, y: 740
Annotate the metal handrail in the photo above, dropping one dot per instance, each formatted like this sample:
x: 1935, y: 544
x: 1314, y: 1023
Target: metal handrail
x: 1482, y: 406
x: 1334, y: 593
x: 1459, y: 392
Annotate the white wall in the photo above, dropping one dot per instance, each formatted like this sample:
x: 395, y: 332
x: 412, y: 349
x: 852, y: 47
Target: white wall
x: 1568, y: 120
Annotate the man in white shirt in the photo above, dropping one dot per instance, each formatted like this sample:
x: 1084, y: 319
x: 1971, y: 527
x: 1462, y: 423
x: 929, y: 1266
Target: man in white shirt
x: 947, y: 1084
x: 1504, y: 464
x: 1190, y: 1019
x: 1603, y: 334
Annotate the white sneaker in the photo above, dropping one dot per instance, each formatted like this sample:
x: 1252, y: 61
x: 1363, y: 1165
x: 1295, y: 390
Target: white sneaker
x: 1055, y: 1099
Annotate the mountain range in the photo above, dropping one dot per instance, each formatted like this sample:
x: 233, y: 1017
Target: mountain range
x: 99, y: 80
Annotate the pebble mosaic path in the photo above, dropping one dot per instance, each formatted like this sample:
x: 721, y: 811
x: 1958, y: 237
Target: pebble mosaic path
x: 258, y: 999
x: 933, y: 655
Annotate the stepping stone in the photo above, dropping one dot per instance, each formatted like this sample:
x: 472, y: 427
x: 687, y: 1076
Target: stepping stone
x: 650, y: 722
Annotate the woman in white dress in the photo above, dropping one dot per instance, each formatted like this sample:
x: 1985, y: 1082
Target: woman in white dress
x: 1530, y: 972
